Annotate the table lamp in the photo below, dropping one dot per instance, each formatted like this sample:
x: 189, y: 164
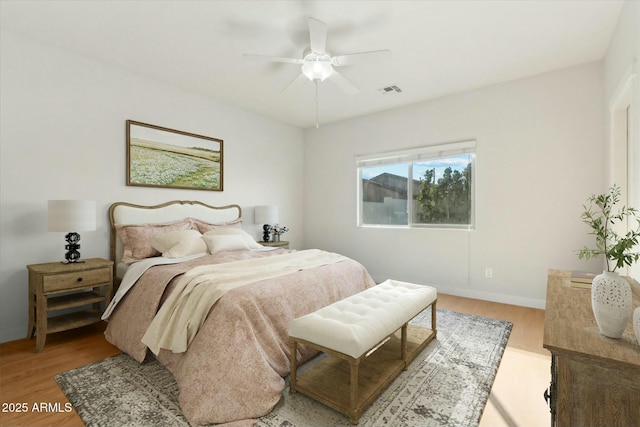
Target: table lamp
x: 72, y: 216
x: 266, y: 215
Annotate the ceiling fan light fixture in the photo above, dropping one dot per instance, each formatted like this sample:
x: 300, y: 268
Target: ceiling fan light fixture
x: 317, y: 66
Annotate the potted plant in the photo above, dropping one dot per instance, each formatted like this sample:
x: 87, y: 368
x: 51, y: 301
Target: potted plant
x: 278, y: 230
x: 611, y: 297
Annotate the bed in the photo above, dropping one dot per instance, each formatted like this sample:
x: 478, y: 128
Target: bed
x: 236, y: 358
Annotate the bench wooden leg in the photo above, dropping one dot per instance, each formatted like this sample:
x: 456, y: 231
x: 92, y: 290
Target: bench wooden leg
x: 353, y: 415
x: 293, y: 358
x: 403, y: 345
x: 433, y: 318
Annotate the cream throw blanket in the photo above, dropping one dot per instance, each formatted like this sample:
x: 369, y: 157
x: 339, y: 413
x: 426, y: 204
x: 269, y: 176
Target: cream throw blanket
x: 185, y: 310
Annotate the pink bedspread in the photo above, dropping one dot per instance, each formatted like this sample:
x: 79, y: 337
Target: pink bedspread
x: 234, y: 368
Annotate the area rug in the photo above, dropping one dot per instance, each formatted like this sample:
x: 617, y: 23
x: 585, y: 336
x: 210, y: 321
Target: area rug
x: 448, y: 384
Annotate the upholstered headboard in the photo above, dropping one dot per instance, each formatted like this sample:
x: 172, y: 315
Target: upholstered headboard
x: 128, y: 213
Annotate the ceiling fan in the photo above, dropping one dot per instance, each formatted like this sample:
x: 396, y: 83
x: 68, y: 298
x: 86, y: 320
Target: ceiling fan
x: 318, y: 65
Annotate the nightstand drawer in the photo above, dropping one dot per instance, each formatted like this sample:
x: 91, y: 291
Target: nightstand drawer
x: 79, y: 279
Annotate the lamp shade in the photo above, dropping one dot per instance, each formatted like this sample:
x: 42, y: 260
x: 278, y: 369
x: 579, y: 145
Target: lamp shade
x: 266, y: 214
x: 72, y: 215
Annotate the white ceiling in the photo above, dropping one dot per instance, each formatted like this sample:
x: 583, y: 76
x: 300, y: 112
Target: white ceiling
x: 438, y: 47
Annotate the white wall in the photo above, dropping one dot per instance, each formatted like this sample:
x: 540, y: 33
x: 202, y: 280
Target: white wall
x: 540, y: 150
x: 62, y: 136
x: 620, y: 63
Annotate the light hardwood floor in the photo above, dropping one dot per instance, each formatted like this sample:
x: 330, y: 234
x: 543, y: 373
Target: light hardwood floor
x: 515, y: 400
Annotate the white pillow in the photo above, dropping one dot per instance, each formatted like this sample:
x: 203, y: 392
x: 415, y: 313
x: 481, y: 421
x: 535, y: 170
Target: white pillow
x: 225, y: 242
x: 179, y: 243
x: 249, y: 241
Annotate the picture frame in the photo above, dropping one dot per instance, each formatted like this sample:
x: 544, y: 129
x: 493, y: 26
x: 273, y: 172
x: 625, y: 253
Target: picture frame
x: 169, y: 158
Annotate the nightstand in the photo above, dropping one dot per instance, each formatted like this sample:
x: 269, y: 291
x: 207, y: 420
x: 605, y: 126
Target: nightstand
x: 88, y: 283
x: 281, y: 244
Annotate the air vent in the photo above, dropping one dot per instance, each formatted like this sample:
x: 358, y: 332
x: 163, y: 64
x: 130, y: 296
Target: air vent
x: 390, y: 89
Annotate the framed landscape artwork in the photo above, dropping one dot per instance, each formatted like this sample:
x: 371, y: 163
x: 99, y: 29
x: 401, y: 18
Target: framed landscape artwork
x: 161, y: 157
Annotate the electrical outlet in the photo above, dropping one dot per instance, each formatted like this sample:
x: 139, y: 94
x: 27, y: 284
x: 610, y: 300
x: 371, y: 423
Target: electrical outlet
x: 488, y: 272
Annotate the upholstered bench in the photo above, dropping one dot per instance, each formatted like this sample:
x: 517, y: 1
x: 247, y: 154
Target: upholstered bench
x: 361, y: 333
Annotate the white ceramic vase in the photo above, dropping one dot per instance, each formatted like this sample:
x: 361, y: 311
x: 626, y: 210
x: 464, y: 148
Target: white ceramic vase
x: 636, y: 323
x: 611, y: 303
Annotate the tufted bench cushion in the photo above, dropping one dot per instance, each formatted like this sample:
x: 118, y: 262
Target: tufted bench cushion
x: 356, y: 324
x: 361, y: 330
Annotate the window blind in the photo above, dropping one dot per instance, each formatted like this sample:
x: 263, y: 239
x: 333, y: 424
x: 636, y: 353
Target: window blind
x: 416, y: 154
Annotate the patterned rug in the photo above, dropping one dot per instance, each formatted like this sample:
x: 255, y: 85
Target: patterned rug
x: 448, y: 384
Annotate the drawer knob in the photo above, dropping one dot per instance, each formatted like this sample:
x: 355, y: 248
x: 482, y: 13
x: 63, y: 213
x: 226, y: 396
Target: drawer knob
x: 79, y: 279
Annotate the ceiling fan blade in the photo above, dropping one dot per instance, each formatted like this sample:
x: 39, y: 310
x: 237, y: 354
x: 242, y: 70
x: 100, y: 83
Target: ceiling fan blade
x: 344, y: 84
x: 317, y: 35
x: 361, y: 57
x: 296, y: 82
x: 273, y: 59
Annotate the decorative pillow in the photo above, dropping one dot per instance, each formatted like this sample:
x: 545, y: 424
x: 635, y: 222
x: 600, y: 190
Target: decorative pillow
x: 179, y: 243
x: 136, y: 238
x: 203, y: 226
x: 249, y: 241
x: 225, y: 242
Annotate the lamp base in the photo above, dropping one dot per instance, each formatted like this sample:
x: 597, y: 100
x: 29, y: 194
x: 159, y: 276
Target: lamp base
x: 266, y: 232
x: 72, y: 246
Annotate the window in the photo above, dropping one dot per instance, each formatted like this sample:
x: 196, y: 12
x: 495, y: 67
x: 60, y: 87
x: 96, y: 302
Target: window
x: 439, y: 192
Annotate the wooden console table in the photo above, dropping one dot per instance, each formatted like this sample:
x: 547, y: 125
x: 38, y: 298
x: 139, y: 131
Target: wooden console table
x: 595, y: 380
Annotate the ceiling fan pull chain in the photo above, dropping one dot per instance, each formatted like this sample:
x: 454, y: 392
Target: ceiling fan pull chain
x: 317, y: 122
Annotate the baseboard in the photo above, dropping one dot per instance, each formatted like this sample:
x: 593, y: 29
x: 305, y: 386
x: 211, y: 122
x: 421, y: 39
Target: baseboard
x: 7, y: 335
x: 489, y: 296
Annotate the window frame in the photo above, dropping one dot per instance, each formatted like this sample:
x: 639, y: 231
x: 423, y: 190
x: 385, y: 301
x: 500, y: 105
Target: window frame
x: 411, y: 156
